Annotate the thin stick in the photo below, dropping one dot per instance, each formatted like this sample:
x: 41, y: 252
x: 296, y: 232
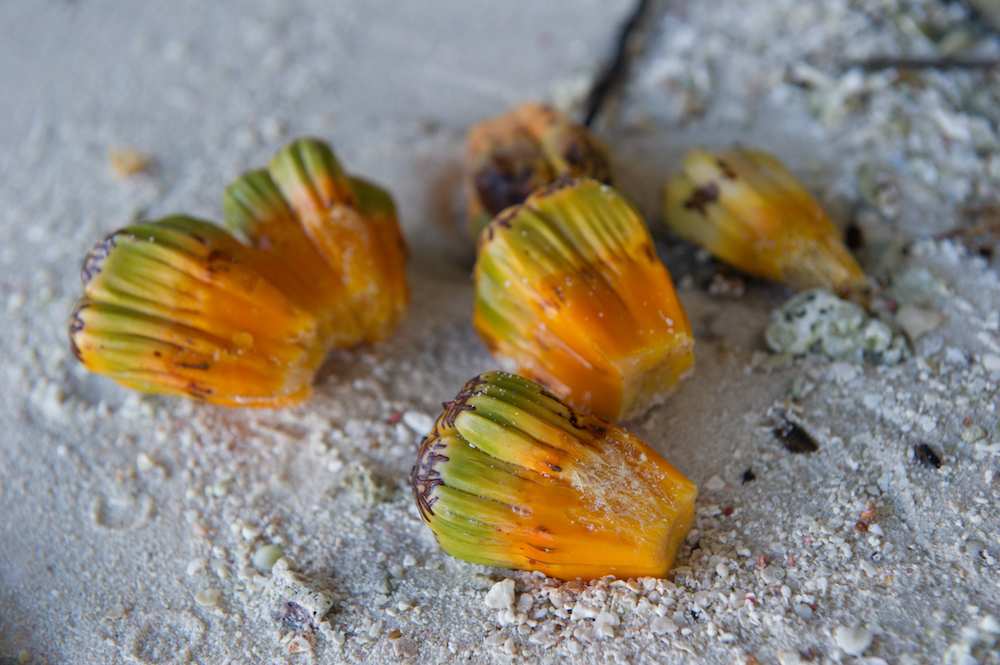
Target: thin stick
x: 876, y: 64
x: 615, y: 73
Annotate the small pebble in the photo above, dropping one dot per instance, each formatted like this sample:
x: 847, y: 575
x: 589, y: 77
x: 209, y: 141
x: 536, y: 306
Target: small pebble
x: 772, y: 575
x: 789, y: 658
x: 583, y: 610
x: 144, y: 463
x: 606, y: 617
x: 293, y: 598
x: 298, y: 644
x: 975, y: 548
x: 843, y: 372
x: 803, y: 611
x: 501, y: 595
x: 604, y: 630
x: 196, y: 565
x: 973, y: 433
x: 404, y: 647
x: 715, y: 484
x: 265, y: 556
x: 220, y: 489
x: 801, y: 388
x: 917, y: 322
x: 853, y: 640
x: 207, y: 597
x: 249, y: 532
x: 420, y: 423
x: 661, y: 625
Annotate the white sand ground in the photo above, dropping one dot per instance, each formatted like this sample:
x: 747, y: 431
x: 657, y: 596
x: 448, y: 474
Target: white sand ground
x: 128, y: 524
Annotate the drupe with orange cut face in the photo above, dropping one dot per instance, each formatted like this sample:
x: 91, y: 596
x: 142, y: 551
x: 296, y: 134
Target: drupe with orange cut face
x: 571, y: 293
x: 312, y: 260
x: 513, y: 477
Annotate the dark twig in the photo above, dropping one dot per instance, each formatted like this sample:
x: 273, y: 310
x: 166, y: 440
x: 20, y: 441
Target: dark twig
x: 986, y: 228
x: 616, y: 71
x: 878, y: 64
x: 986, y: 222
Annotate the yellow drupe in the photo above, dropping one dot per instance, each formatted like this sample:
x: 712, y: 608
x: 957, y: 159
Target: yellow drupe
x: 749, y: 211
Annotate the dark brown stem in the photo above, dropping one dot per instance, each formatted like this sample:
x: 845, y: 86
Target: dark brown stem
x: 967, y: 231
x: 617, y: 70
x: 880, y: 63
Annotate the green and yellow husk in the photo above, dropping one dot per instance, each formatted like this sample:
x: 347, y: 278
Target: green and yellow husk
x: 512, y: 155
x: 749, y: 211
x: 570, y: 291
x: 180, y: 306
x: 513, y: 477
